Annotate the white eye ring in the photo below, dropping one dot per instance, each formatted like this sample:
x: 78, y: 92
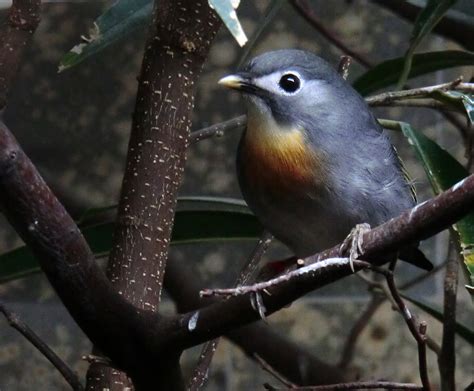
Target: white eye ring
x: 290, y: 83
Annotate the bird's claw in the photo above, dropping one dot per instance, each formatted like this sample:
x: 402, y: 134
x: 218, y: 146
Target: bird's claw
x: 354, y: 242
x: 257, y: 304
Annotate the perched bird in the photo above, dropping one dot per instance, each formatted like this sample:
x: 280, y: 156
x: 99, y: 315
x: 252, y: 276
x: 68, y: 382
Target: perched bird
x: 313, y: 161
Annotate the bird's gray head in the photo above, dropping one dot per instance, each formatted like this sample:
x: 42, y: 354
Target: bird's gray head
x: 294, y: 87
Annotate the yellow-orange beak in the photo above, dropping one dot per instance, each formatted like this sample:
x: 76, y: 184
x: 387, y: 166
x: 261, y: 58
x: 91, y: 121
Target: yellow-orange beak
x: 234, y: 82
x: 241, y: 82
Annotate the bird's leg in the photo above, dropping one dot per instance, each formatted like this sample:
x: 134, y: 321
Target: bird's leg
x: 353, y: 242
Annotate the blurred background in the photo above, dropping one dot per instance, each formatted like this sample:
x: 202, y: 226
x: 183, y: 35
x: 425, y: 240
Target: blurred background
x: 75, y: 127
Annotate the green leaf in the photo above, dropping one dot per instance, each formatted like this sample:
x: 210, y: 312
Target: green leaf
x: 424, y: 23
x: 226, y: 11
x: 198, y: 219
x: 460, y: 101
x: 121, y: 19
x: 443, y: 172
x: 462, y: 330
x: 388, y: 72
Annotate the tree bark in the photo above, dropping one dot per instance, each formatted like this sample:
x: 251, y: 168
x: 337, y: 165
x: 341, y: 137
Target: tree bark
x: 178, y: 43
x: 16, y: 32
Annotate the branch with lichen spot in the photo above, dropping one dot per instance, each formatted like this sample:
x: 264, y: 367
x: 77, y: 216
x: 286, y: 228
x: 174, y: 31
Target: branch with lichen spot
x: 284, y: 355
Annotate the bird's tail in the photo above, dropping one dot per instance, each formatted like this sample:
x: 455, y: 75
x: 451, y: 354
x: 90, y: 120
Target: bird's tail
x: 416, y: 257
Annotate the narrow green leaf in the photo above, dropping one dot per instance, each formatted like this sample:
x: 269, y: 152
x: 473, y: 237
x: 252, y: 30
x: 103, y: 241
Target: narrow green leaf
x: 121, y: 19
x: 198, y: 219
x: 226, y: 11
x: 460, y: 101
x: 462, y: 330
x: 443, y: 172
x: 388, y: 72
x: 424, y: 23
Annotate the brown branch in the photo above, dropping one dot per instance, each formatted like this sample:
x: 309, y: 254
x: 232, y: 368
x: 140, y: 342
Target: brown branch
x: 305, y: 10
x: 218, y: 130
x: 314, y: 268
x: 412, y: 226
x: 447, y: 356
x: 268, y: 368
x: 292, y: 361
x: 67, y: 373
x: 376, y: 301
x: 457, y: 29
x: 16, y: 32
x: 178, y: 42
x: 63, y: 253
x: 422, y: 92
x: 421, y: 103
x: 417, y: 330
x: 357, y: 329
x: 201, y: 371
x: 386, y: 385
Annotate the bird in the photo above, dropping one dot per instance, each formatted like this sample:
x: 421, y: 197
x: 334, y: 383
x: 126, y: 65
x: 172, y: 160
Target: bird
x: 313, y: 162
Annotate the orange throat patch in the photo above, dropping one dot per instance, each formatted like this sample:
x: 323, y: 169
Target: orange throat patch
x: 280, y: 159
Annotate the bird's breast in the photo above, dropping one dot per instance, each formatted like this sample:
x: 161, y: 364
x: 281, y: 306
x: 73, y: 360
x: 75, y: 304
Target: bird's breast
x: 280, y: 160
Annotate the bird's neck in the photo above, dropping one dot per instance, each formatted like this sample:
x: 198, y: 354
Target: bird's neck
x: 281, y: 155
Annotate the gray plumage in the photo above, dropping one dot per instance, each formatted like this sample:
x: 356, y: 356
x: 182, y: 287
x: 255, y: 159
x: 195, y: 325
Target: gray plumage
x: 359, y: 177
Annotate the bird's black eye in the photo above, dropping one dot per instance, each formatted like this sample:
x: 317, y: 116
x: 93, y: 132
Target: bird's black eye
x: 290, y: 82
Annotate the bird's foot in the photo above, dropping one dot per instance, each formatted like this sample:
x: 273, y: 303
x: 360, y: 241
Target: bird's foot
x: 257, y: 304
x: 353, y: 242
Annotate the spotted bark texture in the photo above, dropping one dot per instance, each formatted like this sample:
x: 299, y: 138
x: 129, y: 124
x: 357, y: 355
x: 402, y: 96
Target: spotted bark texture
x: 180, y: 38
x: 15, y: 33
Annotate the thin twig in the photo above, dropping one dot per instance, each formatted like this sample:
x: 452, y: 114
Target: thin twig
x: 201, y: 371
x: 358, y: 328
x: 263, y: 286
x: 246, y: 274
x: 417, y: 330
x: 422, y: 92
x: 306, y: 11
x: 15, y: 322
x: 370, y: 385
x: 272, y: 371
x: 447, y: 356
x: 420, y: 103
x: 376, y: 301
x: 218, y: 130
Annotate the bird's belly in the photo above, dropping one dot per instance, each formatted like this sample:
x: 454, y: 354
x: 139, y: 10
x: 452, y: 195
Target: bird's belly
x: 306, y: 226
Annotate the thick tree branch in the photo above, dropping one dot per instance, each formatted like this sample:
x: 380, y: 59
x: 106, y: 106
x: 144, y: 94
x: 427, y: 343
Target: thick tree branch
x: 177, y: 45
x: 292, y: 361
x: 65, y: 257
x: 67, y: 373
x: 417, y: 224
x: 16, y: 32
